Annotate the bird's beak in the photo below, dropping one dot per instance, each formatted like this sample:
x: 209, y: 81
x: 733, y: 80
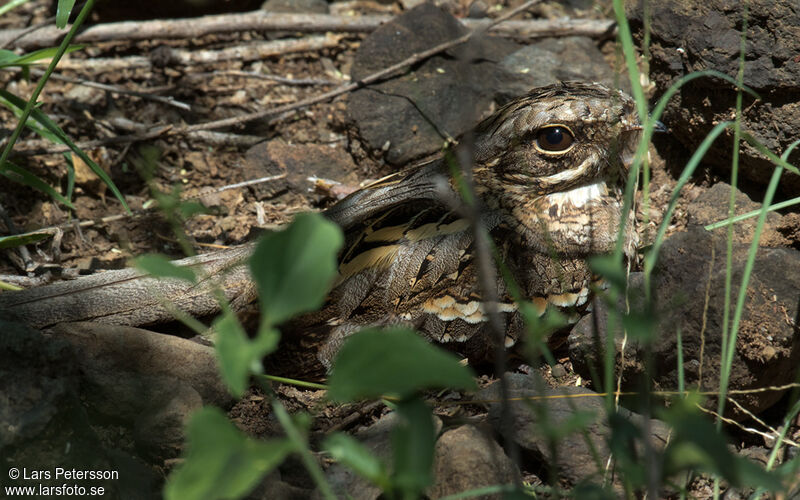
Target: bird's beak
x: 657, y: 127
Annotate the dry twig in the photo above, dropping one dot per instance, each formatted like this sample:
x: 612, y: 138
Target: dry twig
x: 271, y: 21
x: 169, y: 101
x: 251, y: 52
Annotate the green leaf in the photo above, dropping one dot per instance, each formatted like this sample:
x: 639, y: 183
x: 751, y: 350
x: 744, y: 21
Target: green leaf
x: 190, y: 208
x: 294, y: 268
x: 413, y: 443
x: 238, y: 355
x: 8, y: 58
x: 18, y: 240
x: 161, y: 266
x: 373, y: 363
x: 349, y: 452
x: 63, y: 12
x: 221, y: 462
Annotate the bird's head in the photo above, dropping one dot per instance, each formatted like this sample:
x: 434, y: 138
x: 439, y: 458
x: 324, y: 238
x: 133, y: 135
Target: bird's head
x: 554, y: 163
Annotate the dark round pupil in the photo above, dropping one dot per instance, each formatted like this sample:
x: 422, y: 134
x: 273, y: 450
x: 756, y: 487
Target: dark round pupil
x: 554, y: 136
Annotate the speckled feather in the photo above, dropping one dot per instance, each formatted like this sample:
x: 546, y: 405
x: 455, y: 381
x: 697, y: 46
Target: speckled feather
x: 409, y: 258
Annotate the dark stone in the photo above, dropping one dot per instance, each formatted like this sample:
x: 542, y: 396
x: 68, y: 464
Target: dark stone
x: 377, y: 438
x: 696, y: 36
x: 558, y: 371
x: 542, y: 63
x: 574, y: 458
x: 411, y: 116
x: 768, y: 344
x: 466, y: 459
x: 44, y: 424
x: 443, y: 96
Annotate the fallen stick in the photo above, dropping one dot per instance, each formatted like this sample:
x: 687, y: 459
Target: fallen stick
x: 169, y: 101
x: 251, y: 52
x: 268, y: 21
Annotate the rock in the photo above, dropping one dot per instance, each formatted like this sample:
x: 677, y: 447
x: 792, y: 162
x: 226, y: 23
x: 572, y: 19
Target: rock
x: 38, y: 381
x: 768, y: 344
x: 376, y: 438
x: 477, y: 10
x: 149, y: 381
x: 574, y: 459
x: 43, y: 422
x: 273, y: 487
x: 695, y: 36
x: 410, y: 116
x: 159, y: 430
x: 712, y: 206
x: 112, y: 349
x: 542, y: 63
x: 558, y: 371
x: 296, y: 6
x: 444, y: 96
x: 467, y: 458
x: 298, y: 162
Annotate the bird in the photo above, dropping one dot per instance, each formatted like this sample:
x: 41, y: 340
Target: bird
x: 548, y: 172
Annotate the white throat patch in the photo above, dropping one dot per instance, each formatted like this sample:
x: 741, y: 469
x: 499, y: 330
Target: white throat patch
x: 579, y: 196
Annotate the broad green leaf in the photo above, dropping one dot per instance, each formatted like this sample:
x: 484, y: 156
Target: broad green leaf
x: 18, y: 240
x: 238, y: 355
x: 294, y: 268
x: 161, y: 266
x: 190, y: 208
x: 6, y: 56
x: 373, y: 363
x: 63, y: 11
x: 349, y: 452
x: 51, y: 126
x: 221, y: 462
x: 413, y: 442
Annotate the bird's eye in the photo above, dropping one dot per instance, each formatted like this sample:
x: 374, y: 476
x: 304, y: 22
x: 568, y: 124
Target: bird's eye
x: 555, y: 139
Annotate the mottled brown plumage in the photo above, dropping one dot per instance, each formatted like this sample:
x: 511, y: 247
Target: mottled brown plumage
x: 548, y: 168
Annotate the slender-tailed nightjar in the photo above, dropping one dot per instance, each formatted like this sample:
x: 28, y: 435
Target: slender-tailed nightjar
x: 549, y: 169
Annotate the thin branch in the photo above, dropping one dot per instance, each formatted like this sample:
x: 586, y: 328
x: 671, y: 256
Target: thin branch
x: 372, y: 78
x: 250, y: 52
x: 274, y: 78
x: 76, y: 224
x: 169, y: 101
x: 24, y: 31
x: 263, y: 21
